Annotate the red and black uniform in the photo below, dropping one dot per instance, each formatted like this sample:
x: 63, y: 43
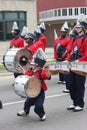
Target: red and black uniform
x: 17, y: 42
x: 39, y: 100
x: 63, y: 42
x: 44, y: 41
x: 34, y: 47
x: 78, y: 47
x: 77, y: 86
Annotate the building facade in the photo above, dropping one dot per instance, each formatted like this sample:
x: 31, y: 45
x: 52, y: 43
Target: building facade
x: 21, y: 11
x: 55, y: 12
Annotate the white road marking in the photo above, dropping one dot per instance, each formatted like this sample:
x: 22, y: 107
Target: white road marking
x: 21, y: 101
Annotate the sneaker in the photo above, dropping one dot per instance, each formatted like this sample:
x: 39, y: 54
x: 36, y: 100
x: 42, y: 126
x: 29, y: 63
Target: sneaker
x: 21, y: 113
x: 72, y: 107
x: 77, y: 108
x: 1, y: 106
x: 43, y: 118
x: 64, y: 82
x: 59, y: 82
x: 66, y: 91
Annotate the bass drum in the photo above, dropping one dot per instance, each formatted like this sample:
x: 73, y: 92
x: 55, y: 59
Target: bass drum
x: 33, y: 87
x: 19, y: 85
x: 15, y: 56
x: 26, y: 86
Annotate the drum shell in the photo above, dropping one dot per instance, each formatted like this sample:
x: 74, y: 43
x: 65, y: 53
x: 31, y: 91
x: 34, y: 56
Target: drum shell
x: 19, y: 85
x: 79, y: 68
x: 63, y: 67
x: 11, y: 59
x: 52, y: 68
x: 26, y: 86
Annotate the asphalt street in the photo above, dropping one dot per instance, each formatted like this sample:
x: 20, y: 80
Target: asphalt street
x: 58, y: 117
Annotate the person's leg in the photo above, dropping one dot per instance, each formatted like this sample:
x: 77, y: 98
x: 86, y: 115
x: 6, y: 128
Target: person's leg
x: 39, y: 108
x: 80, y: 90
x: 1, y: 106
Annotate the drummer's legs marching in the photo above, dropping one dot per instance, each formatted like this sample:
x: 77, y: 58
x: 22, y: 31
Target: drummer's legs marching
x: 77, y: 90
x: 38, y: 109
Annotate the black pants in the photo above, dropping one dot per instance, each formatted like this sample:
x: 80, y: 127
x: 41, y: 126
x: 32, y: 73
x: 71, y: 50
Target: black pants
x: 77, y: 89
x: 38, y: 102
x: 61, y: 77
x: 67, y: 79
x: 17, y: 74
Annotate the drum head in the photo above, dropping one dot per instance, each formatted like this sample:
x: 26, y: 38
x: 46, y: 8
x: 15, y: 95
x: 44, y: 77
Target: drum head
x: 23, y: 58
x: 33, y: 87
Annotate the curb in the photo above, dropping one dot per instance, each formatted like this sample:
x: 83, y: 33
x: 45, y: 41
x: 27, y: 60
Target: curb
x: 5, y: 73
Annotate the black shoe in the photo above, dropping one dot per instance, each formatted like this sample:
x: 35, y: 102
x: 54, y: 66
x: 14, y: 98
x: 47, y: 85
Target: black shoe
x: 77, y: 109
x: 1, y: 106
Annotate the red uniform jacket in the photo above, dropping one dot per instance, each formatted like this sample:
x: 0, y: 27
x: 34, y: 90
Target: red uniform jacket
x: 44, y: 41
x: 36, y: 45
x: 64, y: 42
x: 40, y: 74
x: 32, y: 48
x: 17, y: 42
x: 82, y: 45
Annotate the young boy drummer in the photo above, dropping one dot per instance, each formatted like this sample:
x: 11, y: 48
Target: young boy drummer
x: 41, y: 71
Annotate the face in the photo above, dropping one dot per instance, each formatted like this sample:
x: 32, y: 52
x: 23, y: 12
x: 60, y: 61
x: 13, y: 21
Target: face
x: 28, y: 40
x: 79, y: 29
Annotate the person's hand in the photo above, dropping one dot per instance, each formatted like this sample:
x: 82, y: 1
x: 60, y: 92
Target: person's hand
x: 21, y: 69
x: 46, y: 67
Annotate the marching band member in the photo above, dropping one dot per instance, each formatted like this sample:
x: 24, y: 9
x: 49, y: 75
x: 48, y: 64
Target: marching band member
x: 42, y: 37
x: 29, y: 40
x: 41, y: 71
x: 78, y: 53
x: 17, y: 41
x: 60, y: 45
x: 38, y: 42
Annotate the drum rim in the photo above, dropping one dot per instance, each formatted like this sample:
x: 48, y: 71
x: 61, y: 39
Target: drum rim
x: 26, y: 86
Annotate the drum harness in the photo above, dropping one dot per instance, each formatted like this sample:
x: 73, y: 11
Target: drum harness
x: 75, y: 54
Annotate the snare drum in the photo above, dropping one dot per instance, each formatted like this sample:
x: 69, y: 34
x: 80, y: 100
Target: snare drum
x: 62, y: 67
x: 15, y: 56
x: 26, y: 86
x: 79, y: 68
x: 52, y: 66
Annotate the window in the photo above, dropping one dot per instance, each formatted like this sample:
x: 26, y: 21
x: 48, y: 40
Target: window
x: 7, y: 18
x: 76, y: 11
x: 70, y: 11
x: 55, y: 12
x: 59, y: 12
x: 83, y: 10
x: 64, y: 12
